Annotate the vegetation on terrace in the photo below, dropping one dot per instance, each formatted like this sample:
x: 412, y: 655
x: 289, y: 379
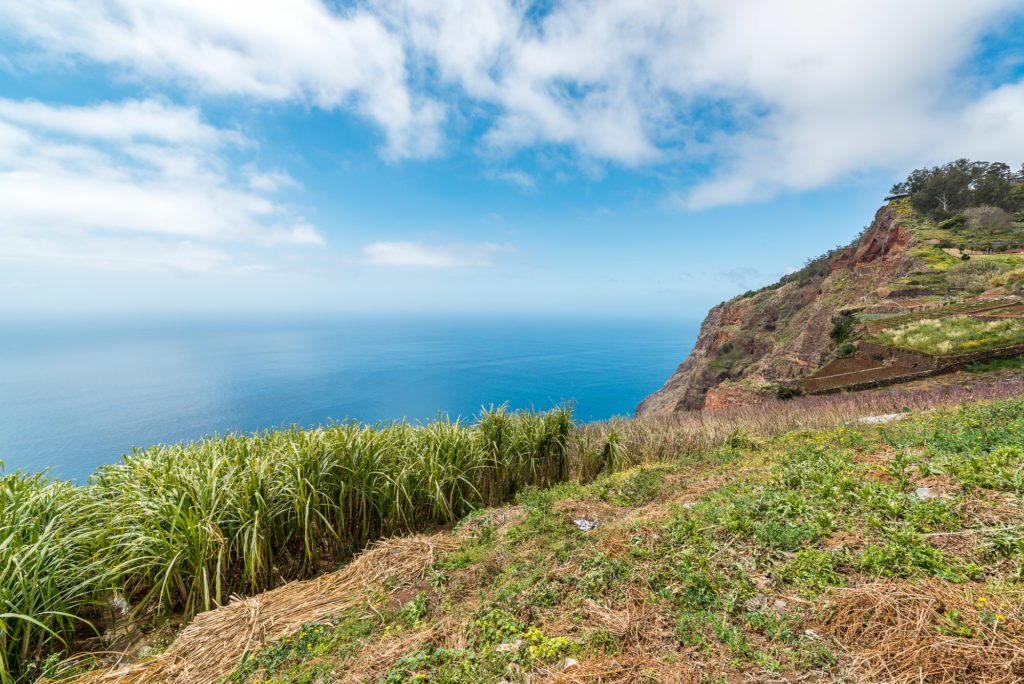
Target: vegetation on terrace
x: 167, y: 526
x: 953, y: 335
x: 892, y: 553
x: 996, y: 365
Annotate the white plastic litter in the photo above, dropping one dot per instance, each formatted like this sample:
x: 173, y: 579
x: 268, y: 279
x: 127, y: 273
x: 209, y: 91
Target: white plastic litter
x: 882, y: 419
x: 587, y: 525
x: 925, y: 493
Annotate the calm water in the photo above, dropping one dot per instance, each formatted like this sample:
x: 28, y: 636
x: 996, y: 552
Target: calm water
x: 75, y: 394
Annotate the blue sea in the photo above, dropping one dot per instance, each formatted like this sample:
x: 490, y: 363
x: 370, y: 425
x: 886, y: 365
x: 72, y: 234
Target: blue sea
x: 78, y: 393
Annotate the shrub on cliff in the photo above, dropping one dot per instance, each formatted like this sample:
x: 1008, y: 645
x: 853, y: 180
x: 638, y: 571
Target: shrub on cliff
x: 974, y: 276
x: 1012, y: 280
x: 953, y: 222
x: 988, y: 219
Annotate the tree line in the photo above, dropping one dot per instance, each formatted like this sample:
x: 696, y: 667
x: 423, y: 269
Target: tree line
x: 941, y: 191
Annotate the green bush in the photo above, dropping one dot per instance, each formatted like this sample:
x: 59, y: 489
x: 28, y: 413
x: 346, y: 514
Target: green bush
x: 974, y: 276
x: 182, y: 527
x: 988, y: 219
x: 1011, y: 279
x: 842, y: 327
x: 953, y: 222
x: 785, y: 392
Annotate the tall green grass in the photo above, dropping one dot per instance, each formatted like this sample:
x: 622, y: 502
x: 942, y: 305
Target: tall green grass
x: 182, y: 527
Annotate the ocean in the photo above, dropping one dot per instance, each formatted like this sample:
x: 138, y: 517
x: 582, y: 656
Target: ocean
x: 78, y: 393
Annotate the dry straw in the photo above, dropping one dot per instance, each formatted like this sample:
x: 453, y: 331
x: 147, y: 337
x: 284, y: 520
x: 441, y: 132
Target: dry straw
x: 217, y: 640
x: 918, y: 632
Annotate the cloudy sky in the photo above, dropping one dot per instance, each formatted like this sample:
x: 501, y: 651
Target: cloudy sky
x: 641, y: 156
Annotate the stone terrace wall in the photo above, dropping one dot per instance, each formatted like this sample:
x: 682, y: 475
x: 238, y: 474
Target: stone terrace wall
x: 897, y: 366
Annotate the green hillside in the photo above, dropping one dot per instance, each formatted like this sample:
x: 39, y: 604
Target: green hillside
x: 834, y: 554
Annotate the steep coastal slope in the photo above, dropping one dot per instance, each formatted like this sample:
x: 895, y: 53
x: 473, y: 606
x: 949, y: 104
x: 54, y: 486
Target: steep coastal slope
x: 784, y: 332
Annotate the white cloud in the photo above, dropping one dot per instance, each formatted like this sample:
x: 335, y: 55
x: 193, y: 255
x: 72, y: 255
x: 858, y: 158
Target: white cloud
x: 125, y: 121
x: 770, y: 97
x: 296, y: 50
x: 516, y: 177
x: 269, y: 181
x: 744, y: 277
x: 141, y: 255
x: 137, y: 185
x: 415, y: 254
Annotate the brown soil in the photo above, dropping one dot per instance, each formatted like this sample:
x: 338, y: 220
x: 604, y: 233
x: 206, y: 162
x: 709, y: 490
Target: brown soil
x: 845, y: 365
x: 870, y: 372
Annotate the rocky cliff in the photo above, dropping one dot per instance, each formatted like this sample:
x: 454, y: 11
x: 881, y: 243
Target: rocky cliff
x: 783, y: 332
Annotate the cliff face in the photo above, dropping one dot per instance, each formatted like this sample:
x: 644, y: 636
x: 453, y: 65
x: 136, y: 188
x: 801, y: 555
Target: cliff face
x: 783, y: 333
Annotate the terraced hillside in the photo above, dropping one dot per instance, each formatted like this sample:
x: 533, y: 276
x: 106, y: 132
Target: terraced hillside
x: 909, y: 282
x: 902, y: 348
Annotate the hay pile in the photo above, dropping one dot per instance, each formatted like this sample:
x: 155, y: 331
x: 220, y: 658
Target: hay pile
x: 913, y: 632
x: 217, y: 640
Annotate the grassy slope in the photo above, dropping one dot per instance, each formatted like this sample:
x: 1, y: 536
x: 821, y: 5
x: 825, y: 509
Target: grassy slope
x: 807, y: 555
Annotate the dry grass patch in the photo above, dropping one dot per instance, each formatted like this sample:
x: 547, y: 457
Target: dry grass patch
x: 214, y: 643
x: 929, y: 630
x: 377, y: 656
x: 622, y: 670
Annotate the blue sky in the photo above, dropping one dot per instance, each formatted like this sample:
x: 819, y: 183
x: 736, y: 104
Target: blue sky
x: 613, y: 158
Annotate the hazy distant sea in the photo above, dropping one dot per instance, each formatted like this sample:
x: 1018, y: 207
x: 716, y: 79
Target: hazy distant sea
x: 75, y: 394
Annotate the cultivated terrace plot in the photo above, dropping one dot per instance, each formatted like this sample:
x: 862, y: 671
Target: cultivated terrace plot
x: 863, y: 552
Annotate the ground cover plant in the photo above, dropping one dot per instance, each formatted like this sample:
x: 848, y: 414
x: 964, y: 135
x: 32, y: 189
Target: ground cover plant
x: 953, y: 335
x: 669, y: 566
x: 975, y: 276
x: 886, y: 553
x: 1011, y: 279
x: 996, y: 365
x: 873, y: 323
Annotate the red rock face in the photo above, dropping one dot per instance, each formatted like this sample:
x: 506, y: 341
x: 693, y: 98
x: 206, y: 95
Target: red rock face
x: 882, y: 242
x: 783, y: 334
